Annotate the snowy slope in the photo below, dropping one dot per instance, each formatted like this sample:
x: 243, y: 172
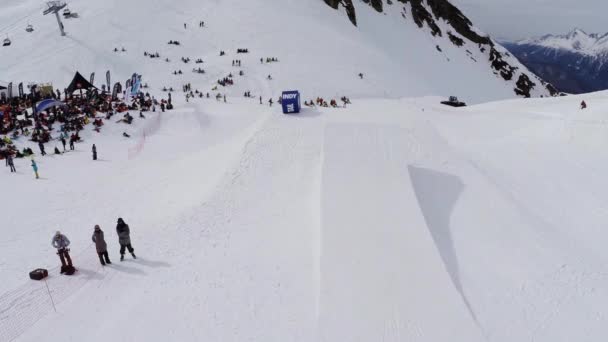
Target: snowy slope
x: 382, y: 221
x: 320, y: 52
x: 365, y: 253
x: 389, y: 220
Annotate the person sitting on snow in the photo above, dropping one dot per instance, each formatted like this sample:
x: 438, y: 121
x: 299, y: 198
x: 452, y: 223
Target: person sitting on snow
x: 583, y: 105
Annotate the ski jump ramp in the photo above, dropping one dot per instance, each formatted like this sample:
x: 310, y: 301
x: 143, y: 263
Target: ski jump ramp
x: 381, y: 275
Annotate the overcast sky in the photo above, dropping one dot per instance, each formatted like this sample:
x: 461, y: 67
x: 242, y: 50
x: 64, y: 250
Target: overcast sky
x: 516, y: 19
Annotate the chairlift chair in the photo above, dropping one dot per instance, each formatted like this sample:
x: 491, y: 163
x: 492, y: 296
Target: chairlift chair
x: 67, y: 12
x: 29, y: 28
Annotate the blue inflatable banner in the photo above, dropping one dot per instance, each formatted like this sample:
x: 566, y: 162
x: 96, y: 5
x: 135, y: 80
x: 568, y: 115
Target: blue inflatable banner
x: 135, y: 84
x: 45, y: 104
x: 290, y: 100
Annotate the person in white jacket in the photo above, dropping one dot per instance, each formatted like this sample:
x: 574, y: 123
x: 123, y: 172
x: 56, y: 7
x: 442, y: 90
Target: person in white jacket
x: 61, y: 242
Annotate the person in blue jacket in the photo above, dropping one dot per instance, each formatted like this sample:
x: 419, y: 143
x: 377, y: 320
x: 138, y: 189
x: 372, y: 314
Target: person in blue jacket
x: 35, y: 168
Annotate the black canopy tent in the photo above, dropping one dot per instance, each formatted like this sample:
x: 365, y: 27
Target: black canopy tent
x: 79, y: 83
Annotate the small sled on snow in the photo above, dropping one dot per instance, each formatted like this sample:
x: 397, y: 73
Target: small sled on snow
x: 453, y: 102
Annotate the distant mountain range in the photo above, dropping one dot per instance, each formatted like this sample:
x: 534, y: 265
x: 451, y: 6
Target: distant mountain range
x: 576, y: 62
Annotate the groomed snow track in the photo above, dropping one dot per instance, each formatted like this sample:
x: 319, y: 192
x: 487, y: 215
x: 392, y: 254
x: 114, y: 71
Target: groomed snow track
x: 378, y: 258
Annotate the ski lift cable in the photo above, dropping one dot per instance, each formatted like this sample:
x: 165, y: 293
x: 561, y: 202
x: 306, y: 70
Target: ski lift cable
x: 17, y: 22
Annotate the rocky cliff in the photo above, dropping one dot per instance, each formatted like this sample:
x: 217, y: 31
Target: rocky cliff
x: 445, y: 20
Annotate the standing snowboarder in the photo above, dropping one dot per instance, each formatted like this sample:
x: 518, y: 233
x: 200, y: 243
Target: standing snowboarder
x: 101, y: 246
x: 35, y: 168
x: 41, y: 146
x: 94, y: 150
x: 61, y: 243
x: 11, y: 163
x: 124, y: 239
x: 63, y: 142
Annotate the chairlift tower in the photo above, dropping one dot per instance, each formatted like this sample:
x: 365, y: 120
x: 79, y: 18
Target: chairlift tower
x: 55, y: 7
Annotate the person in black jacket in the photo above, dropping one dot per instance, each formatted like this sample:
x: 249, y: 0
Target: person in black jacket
x: 94, y: 150
x: 124, y: 239
x: 41, y: 146
x: 10, y: 162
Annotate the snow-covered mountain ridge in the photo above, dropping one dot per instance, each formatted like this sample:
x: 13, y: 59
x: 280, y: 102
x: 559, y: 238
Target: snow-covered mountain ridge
x: 576, y: 41
x: 576, y: 62
x: 446, y: 20
x: 412, y: 48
